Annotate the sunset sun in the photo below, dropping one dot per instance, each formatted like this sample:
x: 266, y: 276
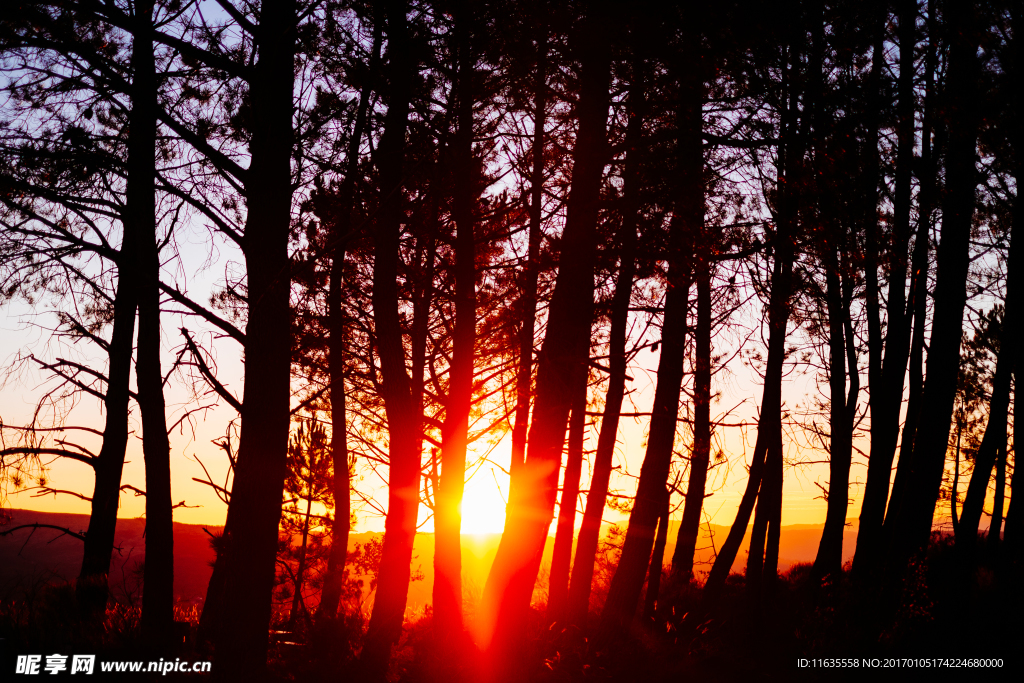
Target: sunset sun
x: 483, y: 507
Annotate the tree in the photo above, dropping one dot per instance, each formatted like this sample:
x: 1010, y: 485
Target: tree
x: 590, y: 528
x: 885, y: 374
x: 532, y: 496
x: 687, y: 222
x: 764, y: 484
x: 834, y: 225
x: 338, y: 214
x: 82, y: 40
x: 913, y: 518
x: 309, y: 481
x: 401, y: 405
x: 255, y: 510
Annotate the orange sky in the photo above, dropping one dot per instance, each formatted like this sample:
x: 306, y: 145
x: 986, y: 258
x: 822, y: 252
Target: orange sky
x: 484, y: 505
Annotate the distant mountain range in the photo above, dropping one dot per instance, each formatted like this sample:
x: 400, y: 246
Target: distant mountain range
x: 29, y: 559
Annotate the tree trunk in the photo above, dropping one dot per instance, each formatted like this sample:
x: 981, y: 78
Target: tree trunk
x: 829, y: 560
x: 158, y: 597
x: 334, y: 579
x: 657, y: 561
x: 92, y: 587
x: 1010, y: 552
x: 838, y: 292
x: 994, y: 440
x: 561, y: 556
x: 993, y: 444
x: 528, y: 298
x: 566, y: 342
x: 342, y: 483
x: 402, y: 408
x: 872, y: 104
x: 763, y: 558
x: 918, y: 300
x: 255, y: 511
x: 700, y: 457
x: 769, y: 426
x: 590, y: 528
x: 455, y: 429
x: 628, y: 581
x: 886, y: 375
x: 914, y: 517
x: 687, y: 224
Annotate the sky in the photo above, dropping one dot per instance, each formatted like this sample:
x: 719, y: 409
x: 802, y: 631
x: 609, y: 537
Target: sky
x: 487, y: 486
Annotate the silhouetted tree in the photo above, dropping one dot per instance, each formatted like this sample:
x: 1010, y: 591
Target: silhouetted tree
x: 687, y: 222
x: 913, y: 520
x: 886, y: 373
x: 765, y: 478
x: 566, y: 342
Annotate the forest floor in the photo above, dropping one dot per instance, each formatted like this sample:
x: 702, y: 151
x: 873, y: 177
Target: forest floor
x: 802, y: 633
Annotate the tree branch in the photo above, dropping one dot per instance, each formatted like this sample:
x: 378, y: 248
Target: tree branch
x: 205, y: 370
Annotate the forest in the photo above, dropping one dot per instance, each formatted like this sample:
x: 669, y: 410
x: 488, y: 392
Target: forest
x: 373, y: 247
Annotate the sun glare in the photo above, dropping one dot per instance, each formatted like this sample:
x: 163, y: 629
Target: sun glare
x: 483, y: 507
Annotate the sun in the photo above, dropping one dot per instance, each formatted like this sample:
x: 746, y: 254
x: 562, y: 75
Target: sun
x: 483, y: 506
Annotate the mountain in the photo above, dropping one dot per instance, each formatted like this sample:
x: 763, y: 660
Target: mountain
x: 31, y: 558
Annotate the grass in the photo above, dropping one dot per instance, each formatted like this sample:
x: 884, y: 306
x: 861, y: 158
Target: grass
x: 943, y: 611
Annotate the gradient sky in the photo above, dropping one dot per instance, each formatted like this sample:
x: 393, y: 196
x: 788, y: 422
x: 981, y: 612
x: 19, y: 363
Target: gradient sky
x: 485, y: 490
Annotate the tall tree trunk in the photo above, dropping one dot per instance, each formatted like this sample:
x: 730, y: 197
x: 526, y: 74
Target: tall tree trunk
x: 995, y: 437
x: 686, y: 225
x: 254, y: 514
x: 657, y: 560
x: 769, y: 425
x: 342, y: 483
x: 401, y: 406
x: 886, y: 374
x: 918, y: 300
x: 870, y: 179
x: 954, y: 494
x: 561, y: 555
x: 455, y: 429
x: 1009, y: 551
x: 566, y: 342
x: 763, y: 554
x: 1011, y: 544
x: 528, y: 298
x: 993, y: 444
x: 158, y: 598
x: 590, y: 528
x: 92, y: 587
x: 838, y: 291
x: 842, y: 359
x: 763, y: 557
x: 700, y: 457
x: 342, y: 224
x: 628, y: 581
x: 914, y: 517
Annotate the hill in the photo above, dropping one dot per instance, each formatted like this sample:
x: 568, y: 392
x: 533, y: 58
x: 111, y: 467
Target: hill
x: 28, y: 559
